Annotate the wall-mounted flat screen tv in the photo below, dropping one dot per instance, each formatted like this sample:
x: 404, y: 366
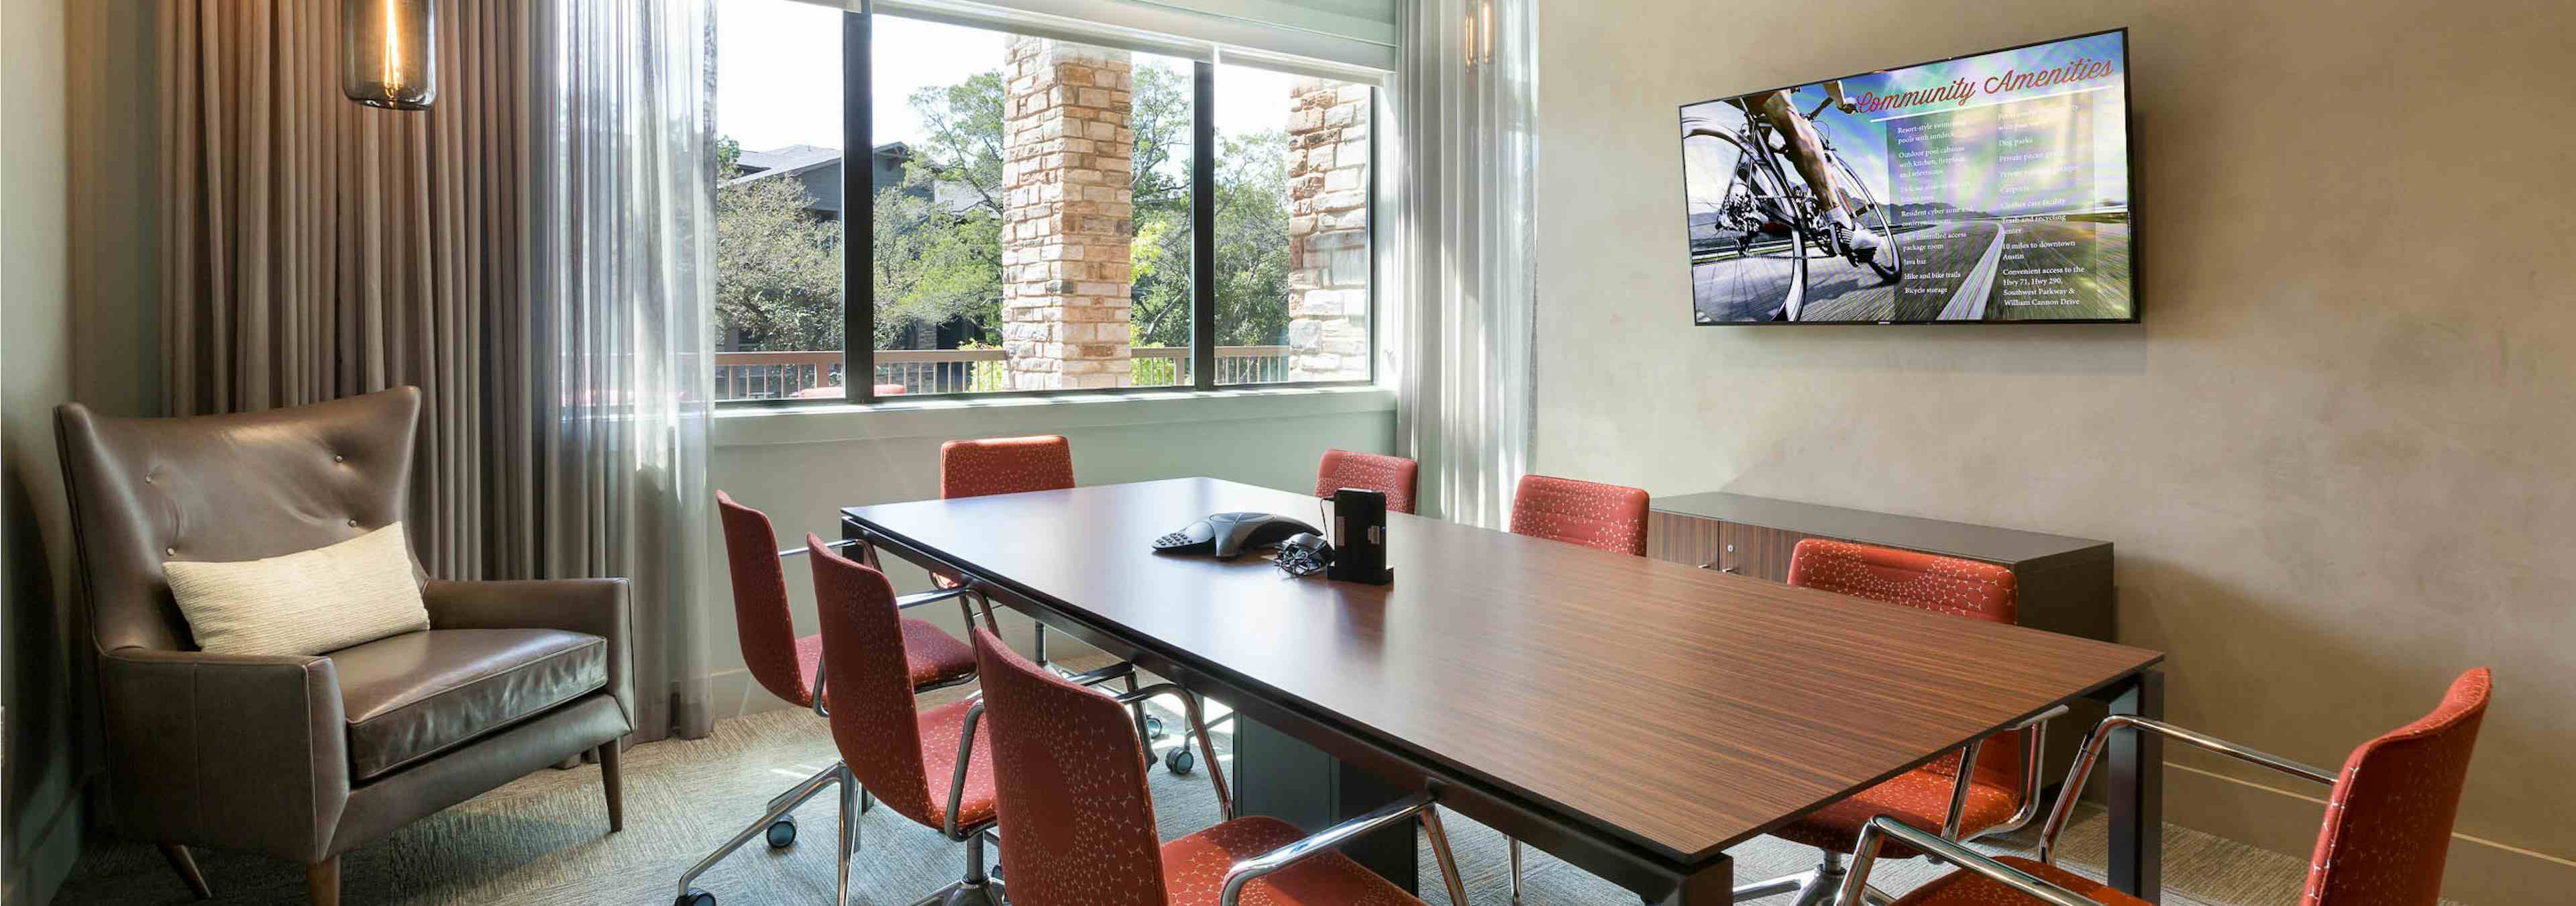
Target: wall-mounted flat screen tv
x: 1984, y: 188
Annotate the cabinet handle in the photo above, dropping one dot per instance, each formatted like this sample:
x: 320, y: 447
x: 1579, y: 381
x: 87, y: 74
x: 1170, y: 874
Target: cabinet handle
x: 1728, y: 569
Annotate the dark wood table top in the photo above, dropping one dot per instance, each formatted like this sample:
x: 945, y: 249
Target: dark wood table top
x: 1683, y: 708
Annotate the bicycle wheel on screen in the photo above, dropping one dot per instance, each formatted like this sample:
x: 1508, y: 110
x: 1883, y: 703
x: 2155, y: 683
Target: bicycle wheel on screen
x: 1753, y: 266
x: 1889, y: 262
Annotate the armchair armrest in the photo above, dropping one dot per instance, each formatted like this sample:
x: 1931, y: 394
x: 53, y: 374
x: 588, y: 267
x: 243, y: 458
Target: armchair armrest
x: 1856, y: 879
x: 595, y: 606
x: 248, y: 750
x: 2091, y: 754
x: 1245, y: 872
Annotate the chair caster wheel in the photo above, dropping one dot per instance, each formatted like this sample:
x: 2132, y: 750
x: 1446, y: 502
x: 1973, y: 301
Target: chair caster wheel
x: 1153, y: 726
x: 782, y: 834
x: 695, y: 897
x: 1178, y: 760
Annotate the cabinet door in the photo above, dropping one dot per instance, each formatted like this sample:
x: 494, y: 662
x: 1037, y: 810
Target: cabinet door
x: 1757, y: 551
x: 1681, y: 539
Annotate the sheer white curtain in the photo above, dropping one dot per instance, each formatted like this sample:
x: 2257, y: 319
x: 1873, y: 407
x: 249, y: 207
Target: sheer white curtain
x: 1463, y: 254
x: 622, y: 277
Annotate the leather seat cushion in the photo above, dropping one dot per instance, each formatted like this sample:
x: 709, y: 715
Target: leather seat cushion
x: 1194, y: 870
x: 1966, y: 888
x: 415, y: 695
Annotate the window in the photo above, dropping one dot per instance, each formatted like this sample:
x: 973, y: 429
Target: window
x: 1044, y: 215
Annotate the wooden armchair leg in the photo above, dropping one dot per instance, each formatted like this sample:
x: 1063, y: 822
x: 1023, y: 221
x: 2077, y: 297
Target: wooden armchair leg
x: 186, y: 866
x: 613, y: 785
x: 323, y: 879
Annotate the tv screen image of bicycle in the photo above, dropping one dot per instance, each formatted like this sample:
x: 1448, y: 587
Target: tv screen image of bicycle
x: 1992, y: 187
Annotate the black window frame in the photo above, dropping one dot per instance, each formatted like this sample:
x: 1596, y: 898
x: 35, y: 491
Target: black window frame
x: 858, y: 259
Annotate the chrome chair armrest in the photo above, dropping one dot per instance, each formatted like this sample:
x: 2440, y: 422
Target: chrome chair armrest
x: 916, y: 599
x: 1856, y: 879
x: 1198, y: 728
x: 819, y: 710
x: 1120, y: 670
x: 2032, y: 763
x: 957, y: 778
x: 1959, y: 788
x: 1246, y: 871
x: 2100, y: 738
x: 835, y: 545
x: 2038, y: 725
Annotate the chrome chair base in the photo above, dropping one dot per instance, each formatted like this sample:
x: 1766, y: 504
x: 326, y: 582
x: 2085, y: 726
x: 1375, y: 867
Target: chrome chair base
x: 989, y: 893
x: 778, y: 812
x: 1818, y: 886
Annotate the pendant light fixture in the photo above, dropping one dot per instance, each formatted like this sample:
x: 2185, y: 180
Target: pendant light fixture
x: 389, y: 52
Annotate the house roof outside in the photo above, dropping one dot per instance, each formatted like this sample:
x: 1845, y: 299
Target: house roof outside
x: 819, y: 168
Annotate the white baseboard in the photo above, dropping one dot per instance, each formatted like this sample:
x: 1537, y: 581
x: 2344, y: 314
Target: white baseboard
x: 2481, y: 872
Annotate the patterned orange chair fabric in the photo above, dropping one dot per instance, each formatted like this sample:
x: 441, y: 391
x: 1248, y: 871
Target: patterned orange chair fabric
x: 1004, y: 465
x: 1392, y: 475
x: 1078, y: 824
x: 907, y: 758
x: 1605, y: 516
x: 1920, y: 797
x: 2388, y: 821
x: 782, y: 662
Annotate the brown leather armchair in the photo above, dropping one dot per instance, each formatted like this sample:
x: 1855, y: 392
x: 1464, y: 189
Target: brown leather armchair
x: 305, y: 758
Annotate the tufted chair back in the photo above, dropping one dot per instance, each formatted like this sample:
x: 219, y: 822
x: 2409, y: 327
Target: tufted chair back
x: 873, y: 721
x: 1005, y: 465
x: 1393, y: 475
x: 223, y: 487
x: 760, y: 609
x: 1967, y: 588
x: 1606, y: 516
x: 2388, y: 822
x: 1077, y: 822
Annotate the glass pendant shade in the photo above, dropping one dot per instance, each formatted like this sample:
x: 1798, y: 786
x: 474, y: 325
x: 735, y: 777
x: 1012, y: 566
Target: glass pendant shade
x: 389, y: 52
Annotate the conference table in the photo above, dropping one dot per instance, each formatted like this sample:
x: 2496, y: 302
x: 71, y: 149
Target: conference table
x: 1632, y: 717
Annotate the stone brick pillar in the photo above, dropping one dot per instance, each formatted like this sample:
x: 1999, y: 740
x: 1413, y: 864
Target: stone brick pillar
x: 1069, y: 216
x: 1328, y: 253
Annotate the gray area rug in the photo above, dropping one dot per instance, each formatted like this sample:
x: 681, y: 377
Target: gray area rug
x: 543, y: 840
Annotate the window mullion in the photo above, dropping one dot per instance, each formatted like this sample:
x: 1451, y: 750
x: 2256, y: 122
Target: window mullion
x: 1203, y: 200
x: 858, y: 214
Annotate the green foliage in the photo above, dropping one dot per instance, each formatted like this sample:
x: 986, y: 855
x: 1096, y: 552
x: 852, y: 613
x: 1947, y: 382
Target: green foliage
x: 938, y: 234
x: 778, y: 267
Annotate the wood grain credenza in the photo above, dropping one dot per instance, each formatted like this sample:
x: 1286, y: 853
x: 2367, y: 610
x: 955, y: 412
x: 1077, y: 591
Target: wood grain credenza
x: 2063, y: 584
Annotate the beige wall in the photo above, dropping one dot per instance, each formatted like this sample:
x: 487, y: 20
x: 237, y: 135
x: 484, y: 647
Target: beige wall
x: 801, y: 468
x: 2338, y: 458
x: 42, y: 820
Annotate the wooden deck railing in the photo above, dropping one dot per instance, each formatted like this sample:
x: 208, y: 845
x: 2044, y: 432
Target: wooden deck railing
x: 776, y: 375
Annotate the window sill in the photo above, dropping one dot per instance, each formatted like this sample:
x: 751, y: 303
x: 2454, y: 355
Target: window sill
x: 751, y: 426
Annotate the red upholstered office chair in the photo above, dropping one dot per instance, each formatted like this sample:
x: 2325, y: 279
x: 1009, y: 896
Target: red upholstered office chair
x: 1391, y: 475
x: 2386, y: 834
x: 791, y: 667
x: 1078, y: 825
x: 1005, y: 465
x: 922, y: 764
x: 1012, y: 465
x: 1606, y: 516
x: 2000, y: 796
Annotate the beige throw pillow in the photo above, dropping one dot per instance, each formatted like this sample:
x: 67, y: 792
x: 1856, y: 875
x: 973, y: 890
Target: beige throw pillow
x: 314, y: 602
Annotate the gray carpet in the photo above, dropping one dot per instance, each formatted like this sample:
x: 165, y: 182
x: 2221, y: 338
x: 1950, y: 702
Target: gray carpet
x: 544, y: 840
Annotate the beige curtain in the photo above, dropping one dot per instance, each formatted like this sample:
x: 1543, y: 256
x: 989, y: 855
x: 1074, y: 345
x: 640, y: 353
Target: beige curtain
x: 317, y: 249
